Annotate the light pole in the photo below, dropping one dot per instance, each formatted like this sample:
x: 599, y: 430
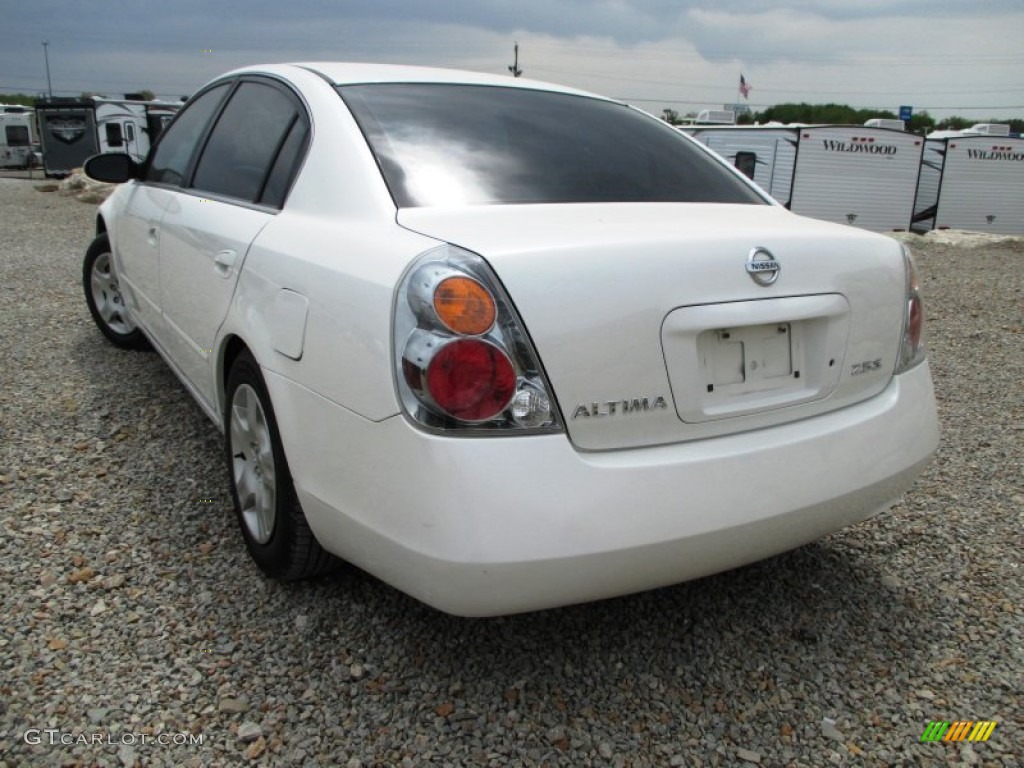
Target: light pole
x: 514, y: 69
x: 46, y: 55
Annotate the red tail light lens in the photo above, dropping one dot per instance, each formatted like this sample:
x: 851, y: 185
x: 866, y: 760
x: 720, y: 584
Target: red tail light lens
x: 471, y: 380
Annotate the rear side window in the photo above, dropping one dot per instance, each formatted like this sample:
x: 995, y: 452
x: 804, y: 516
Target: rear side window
x: 255, y: 125
x: 171, y: 158
x: 287, y: 164
x: 442, y: 144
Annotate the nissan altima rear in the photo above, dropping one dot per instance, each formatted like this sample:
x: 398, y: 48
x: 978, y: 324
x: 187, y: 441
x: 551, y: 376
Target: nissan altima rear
x: 622, y: 366
x: 509, y: 346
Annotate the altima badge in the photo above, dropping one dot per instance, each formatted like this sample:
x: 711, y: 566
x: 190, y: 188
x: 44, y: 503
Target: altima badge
x: 611, y: 407
x: 763, y: 267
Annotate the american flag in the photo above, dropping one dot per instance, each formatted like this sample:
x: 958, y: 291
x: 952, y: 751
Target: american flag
x: 744, y: 88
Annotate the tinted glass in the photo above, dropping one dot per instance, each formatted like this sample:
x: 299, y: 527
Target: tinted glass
x: 114, y: 134
x: 287, y: 164
x: 746, y: 163
x: 252, y: 128
x: 17, y: 135
x: 464, y: 145
x: 178, y: 143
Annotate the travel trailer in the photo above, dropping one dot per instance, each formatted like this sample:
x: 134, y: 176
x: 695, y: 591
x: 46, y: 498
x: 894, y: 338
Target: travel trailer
x: 972, y: 180
x: 886, y: 122
x: 860, y: 175
x: 715, y: 117
x: 73, y: 129
x: 17, y: 136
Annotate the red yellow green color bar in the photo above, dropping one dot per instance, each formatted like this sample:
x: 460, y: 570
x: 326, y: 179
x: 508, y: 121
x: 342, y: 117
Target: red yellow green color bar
x: 960, y: 730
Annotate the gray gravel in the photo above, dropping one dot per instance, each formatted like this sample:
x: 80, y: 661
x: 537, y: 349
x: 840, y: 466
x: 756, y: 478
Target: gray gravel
x: 131, y: 610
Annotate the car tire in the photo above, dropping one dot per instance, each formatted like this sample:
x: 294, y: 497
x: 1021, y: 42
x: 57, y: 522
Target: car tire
x: 103, y: 295
x: 274, y: 528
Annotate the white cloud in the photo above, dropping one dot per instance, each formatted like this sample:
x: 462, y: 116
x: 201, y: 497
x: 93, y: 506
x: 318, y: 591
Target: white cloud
x: 658, y: 53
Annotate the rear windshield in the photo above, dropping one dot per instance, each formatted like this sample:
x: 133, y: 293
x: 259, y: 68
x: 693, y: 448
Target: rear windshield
x: 440, y: 145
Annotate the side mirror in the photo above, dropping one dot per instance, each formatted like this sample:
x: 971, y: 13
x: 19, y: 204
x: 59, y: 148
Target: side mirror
x: 112, y: 167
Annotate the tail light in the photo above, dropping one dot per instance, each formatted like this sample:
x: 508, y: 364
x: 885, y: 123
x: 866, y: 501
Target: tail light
x: 462, y: 356
x: 912, y: 344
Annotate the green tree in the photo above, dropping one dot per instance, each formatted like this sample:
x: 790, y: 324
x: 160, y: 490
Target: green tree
x: 22, y: 99
x: 671, y: 116
x: 841, y: 114
x: 921, y: 122
x: 953, y: 124
x: 836, y: 114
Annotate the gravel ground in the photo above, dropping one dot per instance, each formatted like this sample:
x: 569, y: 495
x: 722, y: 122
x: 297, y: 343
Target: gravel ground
x: 132, y: 614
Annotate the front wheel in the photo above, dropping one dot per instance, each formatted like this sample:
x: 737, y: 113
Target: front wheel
x: 103, y: 295
x: 273, y: 525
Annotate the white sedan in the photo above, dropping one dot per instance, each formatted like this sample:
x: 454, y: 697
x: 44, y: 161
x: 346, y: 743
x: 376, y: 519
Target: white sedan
x: 504, y: 344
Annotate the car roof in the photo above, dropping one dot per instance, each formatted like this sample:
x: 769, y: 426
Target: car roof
x: 361, y: 73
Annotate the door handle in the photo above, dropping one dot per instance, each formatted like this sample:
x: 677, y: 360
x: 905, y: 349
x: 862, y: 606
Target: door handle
x: 151, y: 236
x: 224, y: 261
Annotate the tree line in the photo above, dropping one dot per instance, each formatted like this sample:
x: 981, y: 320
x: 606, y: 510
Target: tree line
x: 841, y: 114
x: 815, y: 114
x: 27, y: 100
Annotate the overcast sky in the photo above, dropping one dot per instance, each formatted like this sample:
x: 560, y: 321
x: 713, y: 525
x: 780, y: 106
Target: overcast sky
x: 947, y: 56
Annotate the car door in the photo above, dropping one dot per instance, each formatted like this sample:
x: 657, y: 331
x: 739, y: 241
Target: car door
x: 137, y: 234
x: 235, y: 191
x: 136, y: 245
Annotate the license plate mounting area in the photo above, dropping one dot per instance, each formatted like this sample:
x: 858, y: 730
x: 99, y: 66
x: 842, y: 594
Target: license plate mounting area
x: 746, y: 355
x: 735, y: 359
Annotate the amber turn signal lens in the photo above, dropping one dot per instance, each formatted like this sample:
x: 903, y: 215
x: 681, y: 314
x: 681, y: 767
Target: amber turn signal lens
x: 464, y: 306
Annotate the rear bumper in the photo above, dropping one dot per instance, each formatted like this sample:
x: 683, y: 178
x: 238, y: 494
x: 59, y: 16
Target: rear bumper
x: 491, y: 526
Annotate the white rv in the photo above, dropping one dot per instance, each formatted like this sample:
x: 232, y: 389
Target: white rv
x: 860, y: 175
x: 73, y: 130
x: 886, y: 122
x: 17, y: 136
x: 972, y: 180
x: 715, y: 117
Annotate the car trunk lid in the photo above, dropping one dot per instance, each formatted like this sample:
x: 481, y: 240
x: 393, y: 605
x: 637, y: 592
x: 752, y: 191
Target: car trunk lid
x: 653, y: 328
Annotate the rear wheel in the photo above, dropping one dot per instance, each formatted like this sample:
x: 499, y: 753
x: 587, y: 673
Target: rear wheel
x: 103, y: 295
x: 273, y: 525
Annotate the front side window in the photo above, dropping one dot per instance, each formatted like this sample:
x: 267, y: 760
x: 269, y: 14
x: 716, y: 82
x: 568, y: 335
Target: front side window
x: 172, y: 155
x: 440, y: 144
x: 253, y: 127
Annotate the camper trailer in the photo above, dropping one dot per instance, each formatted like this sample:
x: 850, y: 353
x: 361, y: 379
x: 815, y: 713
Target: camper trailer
x: 715, y: 117
x: 886, y: 122
x: 75, y: 129
x: 860, y: 175
x: 17, y: 136
x: 973, y: 180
